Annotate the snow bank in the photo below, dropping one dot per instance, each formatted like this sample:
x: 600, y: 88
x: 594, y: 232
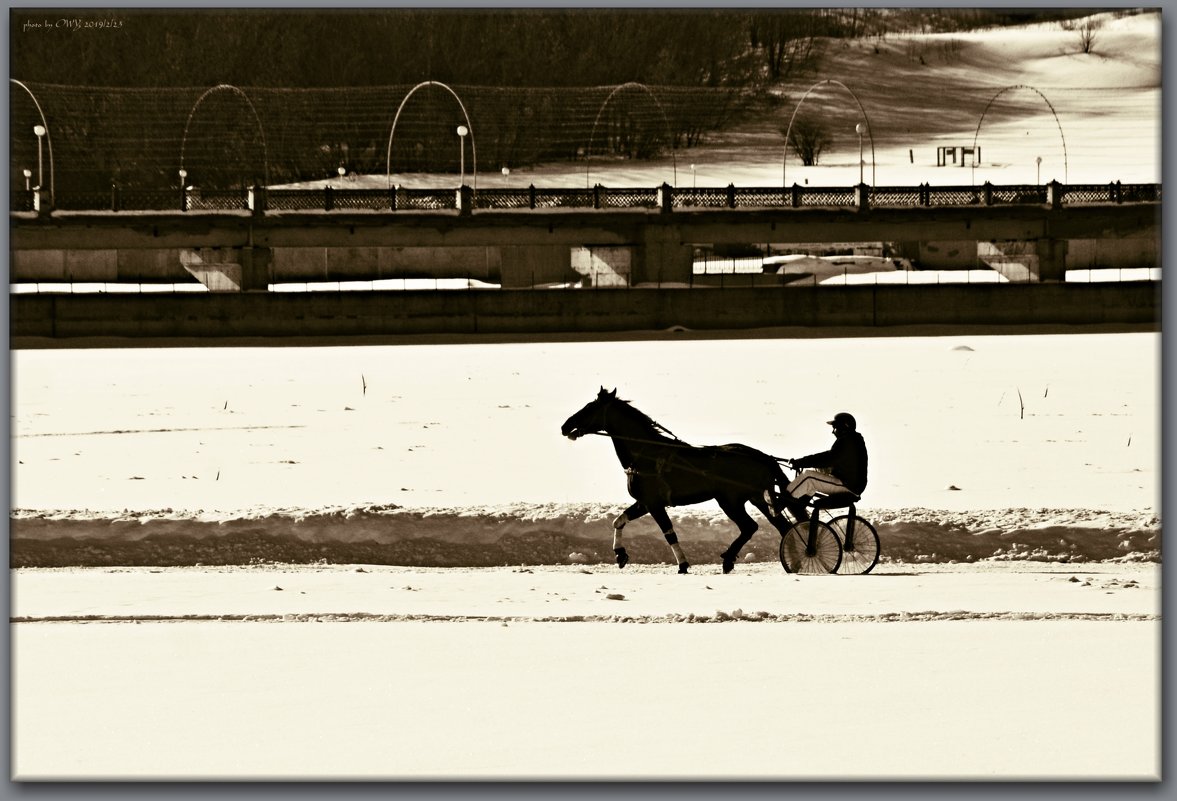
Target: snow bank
x: 551, y: 534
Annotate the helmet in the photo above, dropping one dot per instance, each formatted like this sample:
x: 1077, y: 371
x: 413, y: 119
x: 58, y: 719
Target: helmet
x: 845, y: 420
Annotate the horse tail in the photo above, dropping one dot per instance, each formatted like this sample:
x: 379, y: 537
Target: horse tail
x: 781, y: 479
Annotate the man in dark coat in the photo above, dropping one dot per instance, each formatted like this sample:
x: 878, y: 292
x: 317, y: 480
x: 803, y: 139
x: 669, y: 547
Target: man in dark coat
x: 841, y: 468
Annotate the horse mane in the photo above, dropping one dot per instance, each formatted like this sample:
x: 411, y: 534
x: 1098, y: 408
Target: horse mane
x: 647, y: 420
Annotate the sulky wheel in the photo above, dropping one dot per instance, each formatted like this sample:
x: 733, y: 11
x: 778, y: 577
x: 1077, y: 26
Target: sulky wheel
x: 822, y: 559
x: 861, y: 553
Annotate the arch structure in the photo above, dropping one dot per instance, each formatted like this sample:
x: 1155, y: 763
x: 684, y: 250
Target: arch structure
x: 993, y: 100
x: 789, y: 130
x: 465, y: 116
x: 665, y: 121
x: 226, y: 87
x: 48, y: 139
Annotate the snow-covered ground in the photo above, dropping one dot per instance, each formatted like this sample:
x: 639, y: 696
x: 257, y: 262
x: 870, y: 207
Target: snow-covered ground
x: 586, y: 672
x: 1012, y: 630
x: 953, y: 422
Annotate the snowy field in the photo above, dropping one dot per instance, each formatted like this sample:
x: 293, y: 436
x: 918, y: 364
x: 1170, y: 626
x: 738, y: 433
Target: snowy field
x: 1011, y: 631
x: 1021, y: 580
x: 588, y: 672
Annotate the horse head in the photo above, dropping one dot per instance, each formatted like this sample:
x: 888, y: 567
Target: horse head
x: 591, y: 418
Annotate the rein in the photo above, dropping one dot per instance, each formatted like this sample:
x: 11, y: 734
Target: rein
x: 675, y: 443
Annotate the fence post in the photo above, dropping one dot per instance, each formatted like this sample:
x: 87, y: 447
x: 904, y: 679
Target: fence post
x: 731, y: 196
x: 183, y: 198
x: 1054, y: 194
x: 392, y: 193
x: 257, y: 200
x: 862, y: 197
x: 596, y: 196
x: 114, y: 196
x: 1119, y: 193
x: 328, y: 198
x: 665, y: 198
x: 531, y: 196
x: 988, y: 194
x: 465, y: 198
x: 796, y: 199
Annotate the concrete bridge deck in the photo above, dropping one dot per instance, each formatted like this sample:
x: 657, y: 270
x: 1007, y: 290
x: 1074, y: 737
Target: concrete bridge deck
x: 530, y: 247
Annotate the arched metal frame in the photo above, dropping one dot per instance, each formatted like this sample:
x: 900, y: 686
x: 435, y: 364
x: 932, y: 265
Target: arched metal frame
x: 465, y: 115
x: 992, y: 100
x: 48, y: 141
x: 789, y: 130
x: 261, y: 130
x: 665, y: 121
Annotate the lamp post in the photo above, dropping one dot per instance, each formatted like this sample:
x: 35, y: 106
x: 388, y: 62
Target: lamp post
x: 39, y: 130
x: 859, y: 129
x: 342, y: 171
x: 694, y: 185
x: 183, y: 189
x: 506, y: 172
x: 1038, y: 174
x: 28, y: 175
x: 462, y: 131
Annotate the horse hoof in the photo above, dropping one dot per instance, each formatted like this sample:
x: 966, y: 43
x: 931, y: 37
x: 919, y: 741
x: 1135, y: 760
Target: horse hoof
x: 682, y: 567
x: 728, y: 564
x: 622, y: 558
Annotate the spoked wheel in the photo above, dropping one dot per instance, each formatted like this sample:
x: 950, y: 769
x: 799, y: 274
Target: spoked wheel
x: 861, y: 553
x: 823, y: 559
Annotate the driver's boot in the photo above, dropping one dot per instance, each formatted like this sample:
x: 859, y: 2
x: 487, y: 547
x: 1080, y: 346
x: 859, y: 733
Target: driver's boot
x: 796, y: 507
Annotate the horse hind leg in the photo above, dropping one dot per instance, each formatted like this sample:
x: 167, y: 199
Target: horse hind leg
x: 735, y: 510
x: 772, y: 512
x: 632, y: 513
x: 663, y: 521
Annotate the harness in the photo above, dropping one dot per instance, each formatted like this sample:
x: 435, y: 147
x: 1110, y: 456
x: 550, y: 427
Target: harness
x: 661, y: 463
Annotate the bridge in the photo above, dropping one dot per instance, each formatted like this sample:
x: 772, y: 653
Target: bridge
x: 650, y: 238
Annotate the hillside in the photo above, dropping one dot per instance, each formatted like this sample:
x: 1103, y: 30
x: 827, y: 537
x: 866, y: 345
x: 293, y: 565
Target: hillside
x: 1092, y: 117
x: 1107, y: 102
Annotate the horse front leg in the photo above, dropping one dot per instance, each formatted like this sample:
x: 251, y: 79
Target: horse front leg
x: 632, y: 513
x: 663, y: 521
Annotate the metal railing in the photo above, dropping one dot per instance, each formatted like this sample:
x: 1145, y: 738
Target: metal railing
x: 665, y: 198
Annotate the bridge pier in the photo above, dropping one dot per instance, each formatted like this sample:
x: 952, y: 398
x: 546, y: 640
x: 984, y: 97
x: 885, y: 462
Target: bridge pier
x: 664, y: 257
x: 1052, y: 259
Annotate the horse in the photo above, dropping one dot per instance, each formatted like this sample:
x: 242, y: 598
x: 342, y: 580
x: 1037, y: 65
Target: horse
x: 664, y: 471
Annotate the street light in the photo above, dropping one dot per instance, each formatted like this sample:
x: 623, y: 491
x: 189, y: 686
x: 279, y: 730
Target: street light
x: 462, y: 131
x: 39, y: 130
x: 694, y: 186
x: 342, y: 171
x: 506, y: 172
x: 1038, y: 175
x: 860, y: 129
x: 28, y: 175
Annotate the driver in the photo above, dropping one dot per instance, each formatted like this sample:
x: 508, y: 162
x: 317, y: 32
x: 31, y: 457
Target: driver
x: 842, y: 468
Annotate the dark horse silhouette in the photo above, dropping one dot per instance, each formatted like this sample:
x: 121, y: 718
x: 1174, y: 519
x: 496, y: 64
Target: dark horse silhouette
x: 664, y: 471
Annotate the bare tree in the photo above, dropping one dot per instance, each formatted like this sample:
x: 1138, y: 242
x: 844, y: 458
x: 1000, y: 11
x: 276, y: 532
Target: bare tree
x: 808, y: 138
x: 1087, y: 36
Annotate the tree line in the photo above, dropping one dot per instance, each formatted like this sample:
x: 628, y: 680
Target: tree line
x: 503, y: 47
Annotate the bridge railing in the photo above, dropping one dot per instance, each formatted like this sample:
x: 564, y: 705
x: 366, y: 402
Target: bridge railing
x: 665, y: 198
